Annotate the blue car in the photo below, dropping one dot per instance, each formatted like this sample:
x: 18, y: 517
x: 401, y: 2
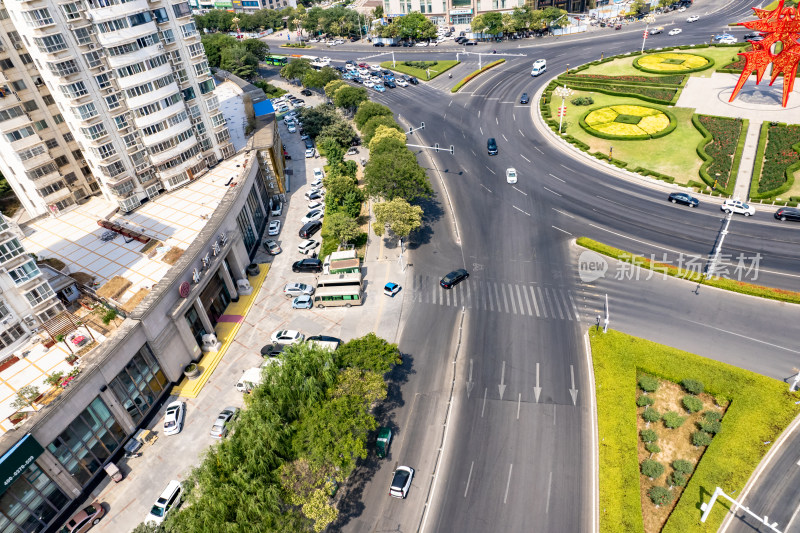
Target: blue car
x: 390, y: 289
x: 380, y: 88
x: 388, y: 77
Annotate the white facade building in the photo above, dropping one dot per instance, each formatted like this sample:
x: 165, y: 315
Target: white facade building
x: 104, y: 96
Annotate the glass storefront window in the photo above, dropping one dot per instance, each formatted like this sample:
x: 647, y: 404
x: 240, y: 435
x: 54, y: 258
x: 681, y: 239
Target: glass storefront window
x: 195, y: 325
x: 139, y: 384
x: 31, y: 503
x: 255, y: 207
x: 248, y: 235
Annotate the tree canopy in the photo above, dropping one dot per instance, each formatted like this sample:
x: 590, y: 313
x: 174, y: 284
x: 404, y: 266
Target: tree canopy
x: 401, y: 217
x: 349, y: 98
x: 317, y: 79
x: 396, y: 174
x: 367, y: 110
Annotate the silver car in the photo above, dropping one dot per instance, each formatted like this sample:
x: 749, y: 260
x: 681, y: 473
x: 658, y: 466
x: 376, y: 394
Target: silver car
x: 221, y: 425
x: 292, y: 290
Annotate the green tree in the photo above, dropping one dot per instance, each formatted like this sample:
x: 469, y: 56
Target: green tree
x: 343, y: 227
x: 330, y: 88
x: 341, y: 131
x: 239, y: 61
x: 367, y: 110
x: 368, y: 353
x: 369, y: 129
x: 316, y: 118
x: 523, y: 17
x: 338, y: 186
x: 400, y: 216
x: 330, y: 148
x: 317, y: 79
x: 352, y: 202
x: 491, y: 23
x: 391, y: 175
x: 415, y: 26
x: 349, y: 98
x: 377, y: 13
x: 26, y: 397
x: 359, y: 383
x: 214, y: 44
x: 296, y: 69
x: 257, y: 47
x: 383, y: 133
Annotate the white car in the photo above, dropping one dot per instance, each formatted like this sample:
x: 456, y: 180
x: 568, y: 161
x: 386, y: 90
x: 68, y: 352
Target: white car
x: 401, y: 482
x: 297, y: 289
x: 274, y: 228
x: 682, y: 9
x: 338, y: 41
x: 737, y: 206
x: 286, y: 336
x: 311, y: 216
x: 727, y: 39
x: 693, y: 18
x: 401, y: 82
x: 173, y: 419
x: 375, y: 68
x: 171, y: 497
x: 318, y: 174
x: 307, y: 246
x: 291, y: 128
x: 314, y: 204
x: 423, y: 43
x: 369, y: 83
x: 309, y: 152
x: 675, y: 31
x: 511, y: 175
x: 314, y: 40
x: 363, y: 72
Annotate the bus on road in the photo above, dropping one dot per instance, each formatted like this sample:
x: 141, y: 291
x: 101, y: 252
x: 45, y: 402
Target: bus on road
x: 275, y: 60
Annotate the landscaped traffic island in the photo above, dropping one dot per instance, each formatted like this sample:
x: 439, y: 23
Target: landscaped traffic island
x: 628, y: 122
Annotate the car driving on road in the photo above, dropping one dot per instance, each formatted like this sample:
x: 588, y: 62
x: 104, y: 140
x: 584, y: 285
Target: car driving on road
x: 524, y: 99
x: 491, y: 146
x: 683, y: 199
x: 739, y: 207
x: 454, y: 278
x: 788, y: 213
x: 401, y: 482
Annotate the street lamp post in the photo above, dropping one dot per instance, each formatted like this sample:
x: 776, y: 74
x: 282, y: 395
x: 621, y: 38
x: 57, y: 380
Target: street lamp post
x: 649, y: 19
x: 564, y: 92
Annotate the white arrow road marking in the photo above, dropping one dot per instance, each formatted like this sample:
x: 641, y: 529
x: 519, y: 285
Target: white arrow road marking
x: 573, y: 391
x: 537, y: 390
x: 502, y: 380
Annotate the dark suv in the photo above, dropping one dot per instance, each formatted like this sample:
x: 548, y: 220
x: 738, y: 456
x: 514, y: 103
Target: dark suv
x: 307, y: 265
x: 491, y: 146
x: 310, y: 229
x: 788, y: 213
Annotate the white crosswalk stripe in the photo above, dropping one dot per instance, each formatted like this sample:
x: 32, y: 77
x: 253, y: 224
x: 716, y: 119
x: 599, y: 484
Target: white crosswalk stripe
x: 525, y: 299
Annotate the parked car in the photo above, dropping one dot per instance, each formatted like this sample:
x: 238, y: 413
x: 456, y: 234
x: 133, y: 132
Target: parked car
x: 84, y: 519
x: 305, y: 92
x: 390, y: 289
x: 314, y: 195
x: 169, y: 499
x: 272, y: 247
x: 173, y: 418
x: 383, y: 441
x: 683, y: 199
x: 309, y: 152
x: 314, y: 204
x: 312, y: 265
x: 454, y: 278
x: 379, y: 87
x: 224, y: 419
x: 310, y: 228
x: 401, y: 82
x: 401, y: 482
x: 378, y: 44
x: 788, y: 213
x: 739, y: 207
x: 314, y: 214
x: 307, y: 246
x: 390, y: 84
x: 274, y: 228
x: 303, y: 302
x: 412, y: 80
x: 290, y: 290
x: 286, y: 336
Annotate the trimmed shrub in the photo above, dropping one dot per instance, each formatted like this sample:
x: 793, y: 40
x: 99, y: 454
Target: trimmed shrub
x: 677, y: 479
x: 651, y: 415
x: 692, y: 403
x: 420, y: 64
x: 673, y: 420
x: 692, y: 386
x: 644, y: 401
x: 659, y: 495
x: 474, y: 74
x: 710, y: 426
x: 683, y: 466
x: 651, y: 468
x: 712, y: 416
x: 701, y: 438
x: 648, y: 435
x: 652, y: 447
x: 648, y: 383
x: 582, y: 100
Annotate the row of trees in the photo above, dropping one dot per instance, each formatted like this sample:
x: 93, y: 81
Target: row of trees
x: 301, y: 433
x: 301, y: 69
x: 239, y: 57
x: 334, y: 21
x: 415, y: 26
x: 521, y: 19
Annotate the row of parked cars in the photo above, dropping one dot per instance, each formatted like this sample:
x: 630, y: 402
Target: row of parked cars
x: 376, y: 77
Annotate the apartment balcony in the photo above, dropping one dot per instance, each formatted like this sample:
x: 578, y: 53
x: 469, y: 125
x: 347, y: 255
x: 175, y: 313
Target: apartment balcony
x: 25, y: 275
x: 40, y: 304
x: 8, y: 321
x: 57, y: 196
x: 100, y: 14
x: 126, y: 35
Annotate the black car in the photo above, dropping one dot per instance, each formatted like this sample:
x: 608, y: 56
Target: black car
x: 310, y: 229
x: 684, y: 199
x: 788, y: 213
x: 357, y: 80
x: 524, y: 99
x: 408, y: 44
x: 454, y: 278
x: 323, y: 338
x: 412, y: 80
x: 378, y: 44
x: 390, y: 84
x: 460, y: 39
x: 394, y: 44
x: 305, y: 92
x: 491, y: 146
x: 307, y: 265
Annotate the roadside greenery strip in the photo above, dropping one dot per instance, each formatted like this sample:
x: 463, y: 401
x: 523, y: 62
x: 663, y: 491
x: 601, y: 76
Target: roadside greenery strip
x: 299, y: 437
x: 760, y: 409
x: 720, y: 149
x: 419, y: 70
x: 461, y: 83
x: 690, y: 275
x: 655, y: 81
x: 777, y: 159
x: 655, y: 95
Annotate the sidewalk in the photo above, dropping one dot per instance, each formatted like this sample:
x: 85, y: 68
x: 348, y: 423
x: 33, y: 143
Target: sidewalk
x: 744, y: 177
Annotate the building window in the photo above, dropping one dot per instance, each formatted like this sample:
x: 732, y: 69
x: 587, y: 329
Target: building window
x: 39, y: 172
x: 51, y: 43
x: 168, y: 36
x: 160, y: 15
x: 41, y: 125
x: 139, y: 384
x: 83, y: 35
x: 201, y: 68
x: 37, y: 17
x: 40, y: 293
x: 26, y: 59
x: 30, y: 153
x: 10, y: 249
x: 223, y: 136
x: 181, y: 10
x: 58, y: 118
x: 61, y: 161
x: 30, y: 105
x: 24, y: 273
x: 189, y: 30
x: 248, y: 235
x: 68, y: 137
x: 95, y: 132
x: 6, y: 64
x: 88, y: 441
x: 121, y: 121
x: 85, y: 111
x: 63, y: 204
x: 140, y: 18
x: 112, y: 102
x: 64, y: 68
x: 71, y: 11
x: 206, y: 87
x: 103, y: 81
x: 32, y: 501
x: 74, y: 90
x: 47, y: 99
x: 93, y: 58
x: 47, y: 190
x: 105, y: 151
x: 12, y: 112
x: 52, y: 143
x: 17, y: 85
x: 188, y: 94
x: 27, y: 131
x: 112, y: 25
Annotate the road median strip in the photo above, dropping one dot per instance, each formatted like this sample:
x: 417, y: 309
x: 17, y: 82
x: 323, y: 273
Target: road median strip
x: 691, y: 275
x: 475, y: 74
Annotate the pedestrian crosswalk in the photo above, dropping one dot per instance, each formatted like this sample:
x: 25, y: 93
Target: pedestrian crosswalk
x: 501, y: 297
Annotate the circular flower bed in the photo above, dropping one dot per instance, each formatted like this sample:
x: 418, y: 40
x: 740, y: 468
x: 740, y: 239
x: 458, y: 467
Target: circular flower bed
x: 672, y: 63
x: 628, y: 122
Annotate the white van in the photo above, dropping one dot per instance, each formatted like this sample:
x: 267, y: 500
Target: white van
x: 165, y: 503
x: 539, y: 66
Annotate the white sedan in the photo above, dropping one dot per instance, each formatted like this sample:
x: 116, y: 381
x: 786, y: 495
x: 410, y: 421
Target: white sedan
x: 675, y: 31
x: 314, y: 204
x: 737, y: 206
x: 291, y: 128
x: 309, y: 152
x: 423, y: 43
x: 401, y: 481
x: 511, y: 175
x: 311, y: 216
x: 401, y: 82
x: 274, y: 228
x: 368, y: 83
x: 375, y: 68
x: 286, y: 336
x: 693, y: 18
x: 307, y: 246
x: 173, y: 419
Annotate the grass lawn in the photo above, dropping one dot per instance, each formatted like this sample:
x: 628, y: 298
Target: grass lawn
x: 674, y: 154
x: 623, y: 66
x: 439, y: 68
x: 759, y: 409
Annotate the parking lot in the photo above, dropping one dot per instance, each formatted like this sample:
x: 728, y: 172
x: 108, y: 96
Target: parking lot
x: 172, y: 457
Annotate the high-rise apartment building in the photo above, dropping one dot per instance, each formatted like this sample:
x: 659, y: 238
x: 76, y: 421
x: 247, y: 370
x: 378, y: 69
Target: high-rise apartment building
x: 111, y: 97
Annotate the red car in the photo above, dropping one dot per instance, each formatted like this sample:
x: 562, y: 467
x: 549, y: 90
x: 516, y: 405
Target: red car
x: 84, y: 519
x: 363, y: 65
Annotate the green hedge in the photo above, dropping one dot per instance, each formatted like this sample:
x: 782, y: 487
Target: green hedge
x: 710, y: 64
x: 474, y: 74
x: 673, y: 123
x: 671, y: 81
x: 727, y: 183
x: 691, y: 275
x: 762, y: 145
x: 760, y: 409
x: 654, y: 95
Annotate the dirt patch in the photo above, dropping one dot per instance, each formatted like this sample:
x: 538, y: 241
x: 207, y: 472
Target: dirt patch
x: 674, y: 443
x: 58, y: 264
x: 150, y: 247
x: 83, y: 278
x: 172, y: 256
x: 135, y: 300
x: 114, y: 288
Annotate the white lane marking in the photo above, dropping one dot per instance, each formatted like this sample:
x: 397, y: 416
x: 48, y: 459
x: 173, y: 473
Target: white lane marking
x: 525, y: 158
x: 514, y: 116
x: 561, y: 230
x: 445, y: 116
x: 548, y: 190
x: 480, y: 127
x: 470, y: 477
x: 523, y: 192
x: 520, y: 132
x: 562, y: 212
x: 636, y: 240
x: 508, y: 484
x: 519, y: 402
x: 537, y: 149
x: 485, y: 187
x: 520, y: 210
x: 451, y: 103
x: 473, y: 152
x: 496, y: 121
x: 549, y: 486
x: 567, y: 168
x: 556, y: 177
x: 490, y: 170
x: 479, y: 113
x: 485, y: 391
x: 744, y: 336
x: 504, y: 137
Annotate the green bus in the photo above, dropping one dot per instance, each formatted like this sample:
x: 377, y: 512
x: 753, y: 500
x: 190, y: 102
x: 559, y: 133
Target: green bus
x: 346, y: 296
x: 275, y: 60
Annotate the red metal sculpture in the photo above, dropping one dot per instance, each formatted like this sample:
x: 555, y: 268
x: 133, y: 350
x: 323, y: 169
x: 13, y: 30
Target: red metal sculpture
x: 781, y: 25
